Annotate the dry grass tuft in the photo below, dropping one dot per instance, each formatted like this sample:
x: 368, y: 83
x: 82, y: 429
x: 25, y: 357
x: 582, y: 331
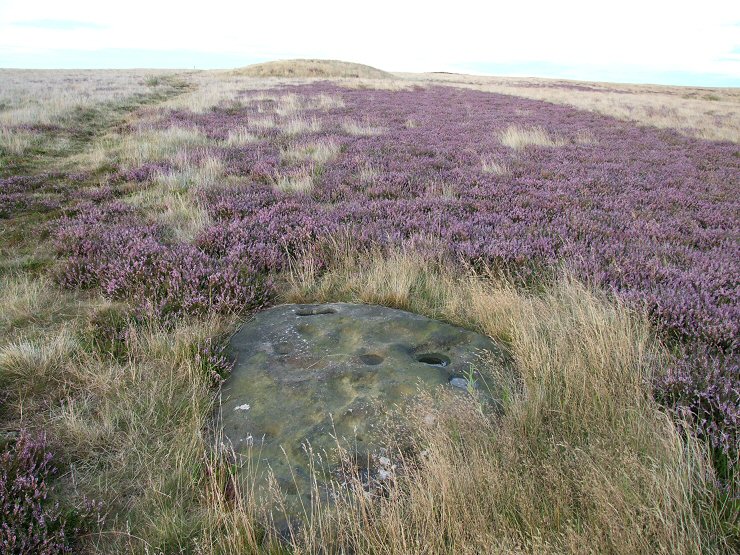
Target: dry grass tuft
x: 173, y: 199
x: 302, y: 182
x: 16, y: 141
x: 298, y: 126
x: 582, y: 460
x: 320, y: 152
x: 518, y: 137
x: 240, y: 136
x: 585, y: 137
x: 262, y: 123
x: 23, y: 299
x: 288, y: 105
x: 435, y: 189
x: 37, y: 364
x: 378, y: 84
x: 176, y: 210
x: 327, y: 102
x: 362, y: 129
x: 368, y: 173
x: 490, y: 165
x: 155, y: 145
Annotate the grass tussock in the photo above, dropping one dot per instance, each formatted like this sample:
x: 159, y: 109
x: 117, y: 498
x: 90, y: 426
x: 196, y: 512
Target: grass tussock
x: 173, y: 198
x: 585, y: 137
x: 299, y: 125
x: 518, y: 137
x: 193, y: 172
x: 362, y: 129
x: 262, y: 123
x: 435, y: 189
x: 320, y: 152
x: 178, y: 211
x: 156, y: 145
x: 240, y: 137
x: 496, y: 167
x: 27, y: 301
x: 582, y: 460
x: 301, y: 182
x: 368, y: 173
x: 16, y: 141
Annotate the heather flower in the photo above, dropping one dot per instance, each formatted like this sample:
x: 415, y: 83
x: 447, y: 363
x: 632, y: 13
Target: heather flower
x: 29, y: 521
x: 647, y: 214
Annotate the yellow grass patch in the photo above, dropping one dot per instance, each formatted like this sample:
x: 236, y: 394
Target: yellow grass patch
x: 158, y: 144
x: 298, y: 183
x: 362, y: 128
x: 518, y: 137
x: 16, y: 141
x: 491, y: 165
x: 240, y: 136
x: 320, y: 152
x: 299, y: 125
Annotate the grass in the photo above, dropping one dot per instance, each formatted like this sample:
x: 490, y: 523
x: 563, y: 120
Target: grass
x: 302, y: 182
x: 312, y: 68
x: 490, y: 165
x: 158, y: 144
x: 239, y: 137
x: 320, y: 152
x: 688, y: 110
x: 300, y: 125
x: 362, y: 129
x: 518, y: 137
x: 15, y: 141
x: 580, y: 459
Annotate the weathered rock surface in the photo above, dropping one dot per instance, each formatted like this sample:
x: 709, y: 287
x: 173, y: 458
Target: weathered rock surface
x: 309, y: 373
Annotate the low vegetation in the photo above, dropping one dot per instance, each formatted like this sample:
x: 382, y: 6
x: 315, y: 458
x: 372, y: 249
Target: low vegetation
x: 139, y: 230
x: 703, y: 113
x: 312, y: 68
x: 518, y: 138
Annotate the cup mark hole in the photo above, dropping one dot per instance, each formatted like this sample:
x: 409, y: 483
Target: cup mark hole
x: 371, y: 359
x: 434, y: 359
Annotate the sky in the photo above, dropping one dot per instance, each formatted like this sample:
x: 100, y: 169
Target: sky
x: 645, y: 41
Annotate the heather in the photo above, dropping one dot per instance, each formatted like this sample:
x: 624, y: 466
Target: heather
x: 601, y: 252
x: 30, y: 522
x: 647, y: 214
x: 131, y: 261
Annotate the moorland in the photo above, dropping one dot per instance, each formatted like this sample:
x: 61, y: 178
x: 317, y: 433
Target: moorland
x: 590, y: 228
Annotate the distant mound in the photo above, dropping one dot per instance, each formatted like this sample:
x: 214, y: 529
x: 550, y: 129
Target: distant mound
x: 312, y: 68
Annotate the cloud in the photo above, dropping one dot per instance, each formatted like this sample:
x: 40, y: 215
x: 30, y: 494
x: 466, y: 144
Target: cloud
x: 121, y: 58
x: 654, y: 41
x: 58, y: 24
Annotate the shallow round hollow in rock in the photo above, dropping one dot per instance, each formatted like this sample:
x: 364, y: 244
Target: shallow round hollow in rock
x: 434, y: 359
x: 371, y: 359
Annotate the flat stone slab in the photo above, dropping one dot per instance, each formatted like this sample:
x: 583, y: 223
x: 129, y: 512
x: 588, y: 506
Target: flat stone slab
x: 314, y: 373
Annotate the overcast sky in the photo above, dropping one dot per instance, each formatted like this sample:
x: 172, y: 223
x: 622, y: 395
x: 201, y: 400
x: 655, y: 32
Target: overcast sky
x: 676, y: 42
